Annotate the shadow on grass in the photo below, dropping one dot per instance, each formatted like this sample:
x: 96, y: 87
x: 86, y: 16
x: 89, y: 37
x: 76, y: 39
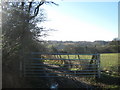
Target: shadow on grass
x: 108, y: 79
x: 63, y: 82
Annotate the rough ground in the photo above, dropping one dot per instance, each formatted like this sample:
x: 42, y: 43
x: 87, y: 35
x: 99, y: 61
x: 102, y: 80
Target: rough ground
x: 63, y: 82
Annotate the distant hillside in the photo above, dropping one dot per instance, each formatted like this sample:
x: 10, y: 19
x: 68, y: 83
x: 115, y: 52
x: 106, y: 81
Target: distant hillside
x: 84, y: 46
x: 67, y: 44
x: 81, y: 43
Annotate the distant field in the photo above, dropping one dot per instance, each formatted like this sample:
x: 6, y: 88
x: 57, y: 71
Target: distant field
x: 109, y: 61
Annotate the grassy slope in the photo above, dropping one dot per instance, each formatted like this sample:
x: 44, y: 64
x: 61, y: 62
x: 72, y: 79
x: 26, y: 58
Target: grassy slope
x: 109, y: 61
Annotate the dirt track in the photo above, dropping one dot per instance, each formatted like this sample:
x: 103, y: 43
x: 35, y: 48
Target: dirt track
x: 63, y: 82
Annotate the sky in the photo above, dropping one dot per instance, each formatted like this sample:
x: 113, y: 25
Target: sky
x: 82, y: 21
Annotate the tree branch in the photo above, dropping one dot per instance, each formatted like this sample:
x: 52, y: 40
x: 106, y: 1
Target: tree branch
x: 52, y: 2
x: 30, y: 6
x: 37, y: 8
x: 22, y: 5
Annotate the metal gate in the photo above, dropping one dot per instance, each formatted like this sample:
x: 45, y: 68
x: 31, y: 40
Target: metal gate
x: 61, y: 65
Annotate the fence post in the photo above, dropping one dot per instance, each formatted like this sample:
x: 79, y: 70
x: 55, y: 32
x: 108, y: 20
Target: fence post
x: 98, y: 65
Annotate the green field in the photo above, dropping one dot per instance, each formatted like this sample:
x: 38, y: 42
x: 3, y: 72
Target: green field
x: 108, y: 61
